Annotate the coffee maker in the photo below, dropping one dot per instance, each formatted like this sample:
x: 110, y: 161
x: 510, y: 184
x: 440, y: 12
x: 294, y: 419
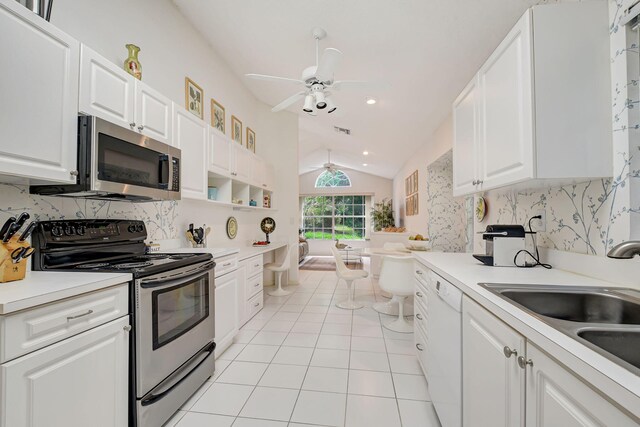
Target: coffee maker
x: 502, y: 243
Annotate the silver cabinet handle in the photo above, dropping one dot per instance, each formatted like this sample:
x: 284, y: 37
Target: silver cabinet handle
x: 418, y: 272
x: 79, y: 315
x: 226, y: 264
x: 132, y: 125
x: 419, y: 294
x: 419, y: 347
x: 140, y: 128
x: 508, y: 352
x: 73, y: 173
x: 480, y: 182
x: 474, y: 182
x: 127, y: 328
x: 256, y: 285
x: 256, y: 265
x: 419, y: 317
x: 256, y: 304
x: 523, y: 362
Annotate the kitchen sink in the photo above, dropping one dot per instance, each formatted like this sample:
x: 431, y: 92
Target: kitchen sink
x: 578, y: 306
x: 606, y: 320
x: 621, y: 343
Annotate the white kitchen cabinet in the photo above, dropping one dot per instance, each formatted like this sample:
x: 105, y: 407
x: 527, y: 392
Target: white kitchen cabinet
x: 465, y: 124
x: 240, y: 163
x: 242, y: 294
x: 219, y: 153
x: 106, y: 90
x: 226, y: 310
x: 493, y: 385
x: 555, y: 397
x: 537, y: 114
x: 257, y: 171
x: 190, y: 135
x: 269, y: 176
x: 78, y: 382
x: 250, y: 285
x: 152, y: 115
x: 39, y: 90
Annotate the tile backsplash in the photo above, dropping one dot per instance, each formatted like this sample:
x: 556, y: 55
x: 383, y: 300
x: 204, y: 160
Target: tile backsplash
x: 160, y: 217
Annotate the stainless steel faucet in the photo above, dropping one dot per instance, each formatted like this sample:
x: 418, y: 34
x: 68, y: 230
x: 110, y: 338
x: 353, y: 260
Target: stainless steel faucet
x: 625, y: 250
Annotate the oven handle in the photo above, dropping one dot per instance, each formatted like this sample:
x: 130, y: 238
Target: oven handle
x: 162, y: 281
x: 172, y: 382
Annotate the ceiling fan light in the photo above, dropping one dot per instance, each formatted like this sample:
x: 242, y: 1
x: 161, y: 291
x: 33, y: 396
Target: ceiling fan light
x: 331, y: 107
x: 321, y: 103
x: 308, y: 104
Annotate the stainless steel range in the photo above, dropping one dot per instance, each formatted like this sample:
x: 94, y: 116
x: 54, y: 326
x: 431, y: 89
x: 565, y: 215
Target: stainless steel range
x: 171, y: 303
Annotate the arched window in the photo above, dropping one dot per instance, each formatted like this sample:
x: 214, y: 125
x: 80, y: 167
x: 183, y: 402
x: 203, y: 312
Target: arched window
x: 337, y: 178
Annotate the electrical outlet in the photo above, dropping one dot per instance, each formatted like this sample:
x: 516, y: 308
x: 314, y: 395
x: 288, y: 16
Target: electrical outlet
x: 540, y: 224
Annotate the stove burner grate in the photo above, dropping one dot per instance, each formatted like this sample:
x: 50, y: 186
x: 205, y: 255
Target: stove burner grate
x: 133, y: 265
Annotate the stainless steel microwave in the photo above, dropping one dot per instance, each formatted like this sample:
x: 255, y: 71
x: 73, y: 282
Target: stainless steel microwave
x: 115, y: 163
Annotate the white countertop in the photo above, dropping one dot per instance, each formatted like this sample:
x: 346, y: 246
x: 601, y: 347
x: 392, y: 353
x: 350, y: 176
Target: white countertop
x: 42, y: 287
x: 243, y: 252
x: 465, y: 272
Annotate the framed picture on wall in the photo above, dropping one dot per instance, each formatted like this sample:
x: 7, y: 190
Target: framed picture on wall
x: 193, y: 98
x: 251, y: 140
x: 236, y: 130
x: 218, y: 116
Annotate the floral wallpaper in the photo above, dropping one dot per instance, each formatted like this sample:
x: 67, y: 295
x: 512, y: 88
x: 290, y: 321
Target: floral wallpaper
x: 590, y: 217
x: 160, y: 217
x: 446, y: 215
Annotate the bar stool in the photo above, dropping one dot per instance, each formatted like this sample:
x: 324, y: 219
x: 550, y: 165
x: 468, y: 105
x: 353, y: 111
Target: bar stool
x: 396, y: 277
x: 391, y: 307
x: 349, y: 276
x: 278, y: 269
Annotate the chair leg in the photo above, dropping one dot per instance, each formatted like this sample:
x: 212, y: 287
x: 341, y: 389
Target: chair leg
x: 400, y: 324
x: 279, y: 292
x: 391, y: 307
x: 350, y: 303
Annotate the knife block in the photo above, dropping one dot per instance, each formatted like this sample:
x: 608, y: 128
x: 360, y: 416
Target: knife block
x: 11, y: 271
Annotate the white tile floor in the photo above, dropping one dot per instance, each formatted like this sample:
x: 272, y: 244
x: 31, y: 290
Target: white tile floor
x: 304, y: 362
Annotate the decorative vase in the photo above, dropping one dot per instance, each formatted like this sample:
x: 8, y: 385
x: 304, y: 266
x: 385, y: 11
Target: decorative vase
x: 132, y: 64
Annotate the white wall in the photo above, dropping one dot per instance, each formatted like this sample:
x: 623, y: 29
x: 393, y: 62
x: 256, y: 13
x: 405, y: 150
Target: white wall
x: 435, y: 146
x: 171, y: 49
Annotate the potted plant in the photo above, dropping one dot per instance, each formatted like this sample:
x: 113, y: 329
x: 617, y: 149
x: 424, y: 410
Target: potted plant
x: 382, y: 215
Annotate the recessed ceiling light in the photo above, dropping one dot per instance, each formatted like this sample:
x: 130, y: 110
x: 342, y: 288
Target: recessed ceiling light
x: 365, y: 153
x: 371, y: 101
x: 364, y: 164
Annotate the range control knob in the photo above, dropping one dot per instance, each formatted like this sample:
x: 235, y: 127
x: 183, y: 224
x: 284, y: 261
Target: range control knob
x: 56, y: 231
x: 131, y: 228
x: 139, y: 228
x: 69, y: 230
x: 80, y: 230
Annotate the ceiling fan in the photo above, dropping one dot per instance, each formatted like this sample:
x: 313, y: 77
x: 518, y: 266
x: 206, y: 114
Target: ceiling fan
x: 332, y: 168
x: 317, y: 80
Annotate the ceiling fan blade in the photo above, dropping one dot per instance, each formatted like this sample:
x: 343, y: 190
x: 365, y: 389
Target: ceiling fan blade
x: 289, y: 101
x: 273, y: 78
x: 328, y: 64
x: 357, y: 84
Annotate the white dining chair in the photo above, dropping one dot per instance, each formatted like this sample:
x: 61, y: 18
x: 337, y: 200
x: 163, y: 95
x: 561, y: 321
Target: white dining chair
x: 396, y: 277
x: 391, y: 307
x: 349, y: 276
x: 279, y: 268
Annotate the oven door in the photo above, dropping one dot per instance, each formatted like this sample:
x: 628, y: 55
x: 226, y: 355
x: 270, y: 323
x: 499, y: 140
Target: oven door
x: 174, y: 320
x: 128, y: 163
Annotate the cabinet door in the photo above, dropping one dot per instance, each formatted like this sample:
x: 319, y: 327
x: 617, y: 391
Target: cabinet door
x: 269, y: 177
x: 219, y: 153
x: 242, y: 294
x: 493, y: 385
x: 506, y: 110
x: 39, y: 97
x: 555, y: 397
x: 106, y: 90
x: 226, y: 314
x: 465, y: 140
x: 240, y: 164
x: 257, y: 171
x: 190, y: 136
x: 152, y: 113
x: 78, y: 382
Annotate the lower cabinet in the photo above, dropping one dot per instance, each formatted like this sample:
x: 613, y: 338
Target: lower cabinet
x: 492, y: 383
x: 500, y: 367
x: 250, y: 298
x: 78, y: 382
x: 226, y: 310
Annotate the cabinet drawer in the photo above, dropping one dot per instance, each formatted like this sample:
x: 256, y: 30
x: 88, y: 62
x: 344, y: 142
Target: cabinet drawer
x: 254, y: 265
x: 421, y: 273
x: 226, y: 264
x: 421, y: 316
x: 254, y: 305
x: 252, y: 286
x: 30, y: 330
x: 420, y: 293
x: 420, y: 342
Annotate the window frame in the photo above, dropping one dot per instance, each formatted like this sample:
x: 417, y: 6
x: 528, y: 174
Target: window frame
x: 326, y: 172
x: 345, y: 218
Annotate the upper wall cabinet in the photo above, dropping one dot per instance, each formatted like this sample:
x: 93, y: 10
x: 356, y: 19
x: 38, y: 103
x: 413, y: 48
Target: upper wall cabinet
x: 240, y: 162
x: 109, y: 92
x: 39, y: 91
x: 219, y: 153
x: 537, y: 112
x: 190, y: 136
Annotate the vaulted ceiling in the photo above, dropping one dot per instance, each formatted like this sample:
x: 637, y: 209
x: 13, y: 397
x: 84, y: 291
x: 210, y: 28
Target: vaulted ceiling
x: 424, y: 50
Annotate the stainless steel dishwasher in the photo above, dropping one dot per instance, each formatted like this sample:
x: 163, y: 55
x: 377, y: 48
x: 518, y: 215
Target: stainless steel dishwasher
x: 444, y: 349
